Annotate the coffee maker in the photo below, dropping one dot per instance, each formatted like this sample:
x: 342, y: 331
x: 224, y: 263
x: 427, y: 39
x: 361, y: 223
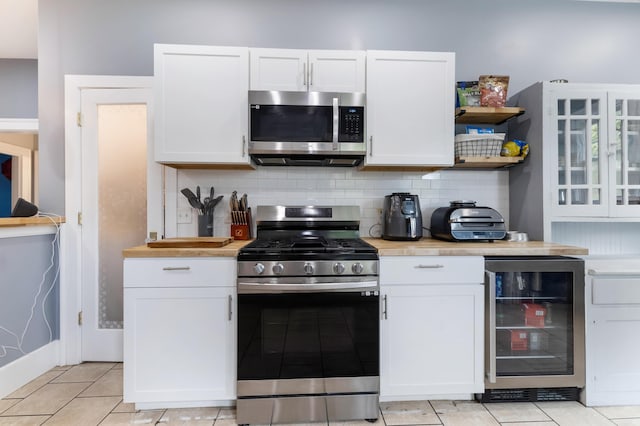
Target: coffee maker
x: 401, y: 217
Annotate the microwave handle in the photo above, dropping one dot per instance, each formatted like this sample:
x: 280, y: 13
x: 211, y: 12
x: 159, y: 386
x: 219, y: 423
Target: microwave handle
x: 336, y: 122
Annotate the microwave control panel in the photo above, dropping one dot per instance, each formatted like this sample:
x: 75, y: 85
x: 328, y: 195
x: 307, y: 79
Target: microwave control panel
x: 351, y: 127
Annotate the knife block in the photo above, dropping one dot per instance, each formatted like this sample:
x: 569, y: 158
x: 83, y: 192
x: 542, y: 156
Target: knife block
x: 241, y: 225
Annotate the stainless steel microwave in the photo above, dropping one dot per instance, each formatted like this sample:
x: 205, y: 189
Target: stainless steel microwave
x: 306, y: 128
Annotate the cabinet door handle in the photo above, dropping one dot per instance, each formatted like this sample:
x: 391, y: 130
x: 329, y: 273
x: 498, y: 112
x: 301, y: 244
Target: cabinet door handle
x: 490, y: 303
x: 384, y: 307
x: 176, y: 268
x: 370, y: 146
x: 435, y: 266
x: 311, y: 74
x: 304, y: 74
x: 244, y: 144
x: 230, y: 307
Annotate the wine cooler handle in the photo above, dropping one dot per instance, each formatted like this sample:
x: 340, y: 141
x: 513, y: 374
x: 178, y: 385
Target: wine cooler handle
x: 491, y: 355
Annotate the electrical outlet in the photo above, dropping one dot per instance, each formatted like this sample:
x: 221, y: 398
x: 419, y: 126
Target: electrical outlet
x: 185, y: 215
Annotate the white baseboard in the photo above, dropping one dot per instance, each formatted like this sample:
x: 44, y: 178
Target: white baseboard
x: 24, y: 369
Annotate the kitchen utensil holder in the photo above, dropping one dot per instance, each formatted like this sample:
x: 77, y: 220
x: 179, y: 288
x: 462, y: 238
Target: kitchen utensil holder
x: 205, y: 225
x: 241, y: 224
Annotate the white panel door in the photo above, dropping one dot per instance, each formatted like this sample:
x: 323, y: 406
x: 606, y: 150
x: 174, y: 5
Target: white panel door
x: 116, y: 179
x: 279, y: 69
x: 201, y: 95
x: 337, y: 71
x: 180, y: 345
x: 431, y: 340
x: 578, y: 152
x: 624, y: 153
x: 410, y: 108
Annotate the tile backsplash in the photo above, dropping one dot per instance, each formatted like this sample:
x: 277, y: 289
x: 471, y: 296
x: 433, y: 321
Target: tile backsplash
x: 340, y: 186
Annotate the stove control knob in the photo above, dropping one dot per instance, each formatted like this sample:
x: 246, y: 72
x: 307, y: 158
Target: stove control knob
x: 258, y: 268
x: 308, y: 268
x: 278, y: 268
x: 338, y: 268
x: 357, y: 268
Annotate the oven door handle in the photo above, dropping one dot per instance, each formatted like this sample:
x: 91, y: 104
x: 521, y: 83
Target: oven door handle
x: 253, y: 288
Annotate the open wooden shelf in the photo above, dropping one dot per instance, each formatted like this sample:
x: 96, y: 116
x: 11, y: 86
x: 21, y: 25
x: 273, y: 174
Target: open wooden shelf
x: 486, y: 115
x: 486, y: 162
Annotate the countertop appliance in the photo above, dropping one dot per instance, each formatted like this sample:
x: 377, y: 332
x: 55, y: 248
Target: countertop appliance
x: 464, y: 221
x: 401, y: 217
x: 534, y: 329
x: 308, y: 318
x: 306, y: 128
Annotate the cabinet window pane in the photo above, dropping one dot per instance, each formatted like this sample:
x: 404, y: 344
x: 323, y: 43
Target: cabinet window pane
x: 618, y: 148
x: 578, y: 177
x: 561, y: 103
x: 633, y: 143
x: 596, y: 196
x: 578, y: 142
x: 619, y: 197
x: 595, y: 151
x: 633, y: 107
x: 634, y: 196
x: 578, y: 106
x: 579, y: 196
x: 562, y: 197
x: 634, y: 176
x: 619, y: 107
x: 595, y: 107
x: 561, y: 144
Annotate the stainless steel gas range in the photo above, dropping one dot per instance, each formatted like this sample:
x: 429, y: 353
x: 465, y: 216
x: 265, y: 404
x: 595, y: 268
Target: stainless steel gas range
x: 308, y: 318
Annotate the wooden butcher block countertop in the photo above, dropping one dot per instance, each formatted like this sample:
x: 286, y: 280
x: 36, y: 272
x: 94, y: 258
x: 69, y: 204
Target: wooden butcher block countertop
x: 228, y: 250
x: 433, y: 247
x: 423, y: 247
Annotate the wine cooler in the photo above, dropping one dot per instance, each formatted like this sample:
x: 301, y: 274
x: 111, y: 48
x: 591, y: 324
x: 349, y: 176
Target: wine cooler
x: 534, y: 329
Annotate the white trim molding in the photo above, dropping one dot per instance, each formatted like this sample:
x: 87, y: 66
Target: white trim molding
x: 28, y: 367
x: 26, y: 125
x: 71, y: 244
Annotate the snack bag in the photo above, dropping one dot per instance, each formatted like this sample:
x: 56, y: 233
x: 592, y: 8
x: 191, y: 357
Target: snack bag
x: 493, y: 90
x: 468, y: 93
x: 514, y: 148
x: 478, y: 130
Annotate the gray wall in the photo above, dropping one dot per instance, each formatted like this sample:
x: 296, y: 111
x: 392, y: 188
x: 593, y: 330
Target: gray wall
x: 25, y: 295
x: 528, y: 40
x: 18, y: 88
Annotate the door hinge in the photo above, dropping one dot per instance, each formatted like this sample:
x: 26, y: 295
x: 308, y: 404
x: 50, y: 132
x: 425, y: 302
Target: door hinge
x: 80, y: 318
x: 80, y: 218
x: 79, y: 119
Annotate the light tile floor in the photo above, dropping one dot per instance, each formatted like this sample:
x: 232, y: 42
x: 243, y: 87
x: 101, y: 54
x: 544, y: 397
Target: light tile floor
x: 90, y: 394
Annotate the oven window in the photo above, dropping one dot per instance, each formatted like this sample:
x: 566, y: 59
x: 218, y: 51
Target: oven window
x: 291, y: 123
x: 288, y: 336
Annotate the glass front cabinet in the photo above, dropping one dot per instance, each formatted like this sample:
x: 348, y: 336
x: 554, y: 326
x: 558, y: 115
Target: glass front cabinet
x: 597, y: 151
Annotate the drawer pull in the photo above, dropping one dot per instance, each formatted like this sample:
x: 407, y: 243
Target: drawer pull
x: 436, y: 266
x: 176, y: 268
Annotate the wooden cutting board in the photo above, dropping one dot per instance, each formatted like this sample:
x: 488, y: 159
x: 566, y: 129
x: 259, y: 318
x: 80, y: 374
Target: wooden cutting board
x: 191, y: 242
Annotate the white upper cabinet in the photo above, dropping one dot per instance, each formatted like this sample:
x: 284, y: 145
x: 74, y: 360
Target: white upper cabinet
x: 584, y: 161
x: 201, y: 98
x: 307, y: 70
x: 410, y: 104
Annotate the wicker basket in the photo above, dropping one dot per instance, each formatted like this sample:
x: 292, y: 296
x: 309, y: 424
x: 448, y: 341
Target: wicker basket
x: 481, y: 145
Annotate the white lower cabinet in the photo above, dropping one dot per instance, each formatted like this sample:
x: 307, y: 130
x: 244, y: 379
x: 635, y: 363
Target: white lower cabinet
x: 432, y: 325
x: 179, y: 332
x: 612, y: 344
